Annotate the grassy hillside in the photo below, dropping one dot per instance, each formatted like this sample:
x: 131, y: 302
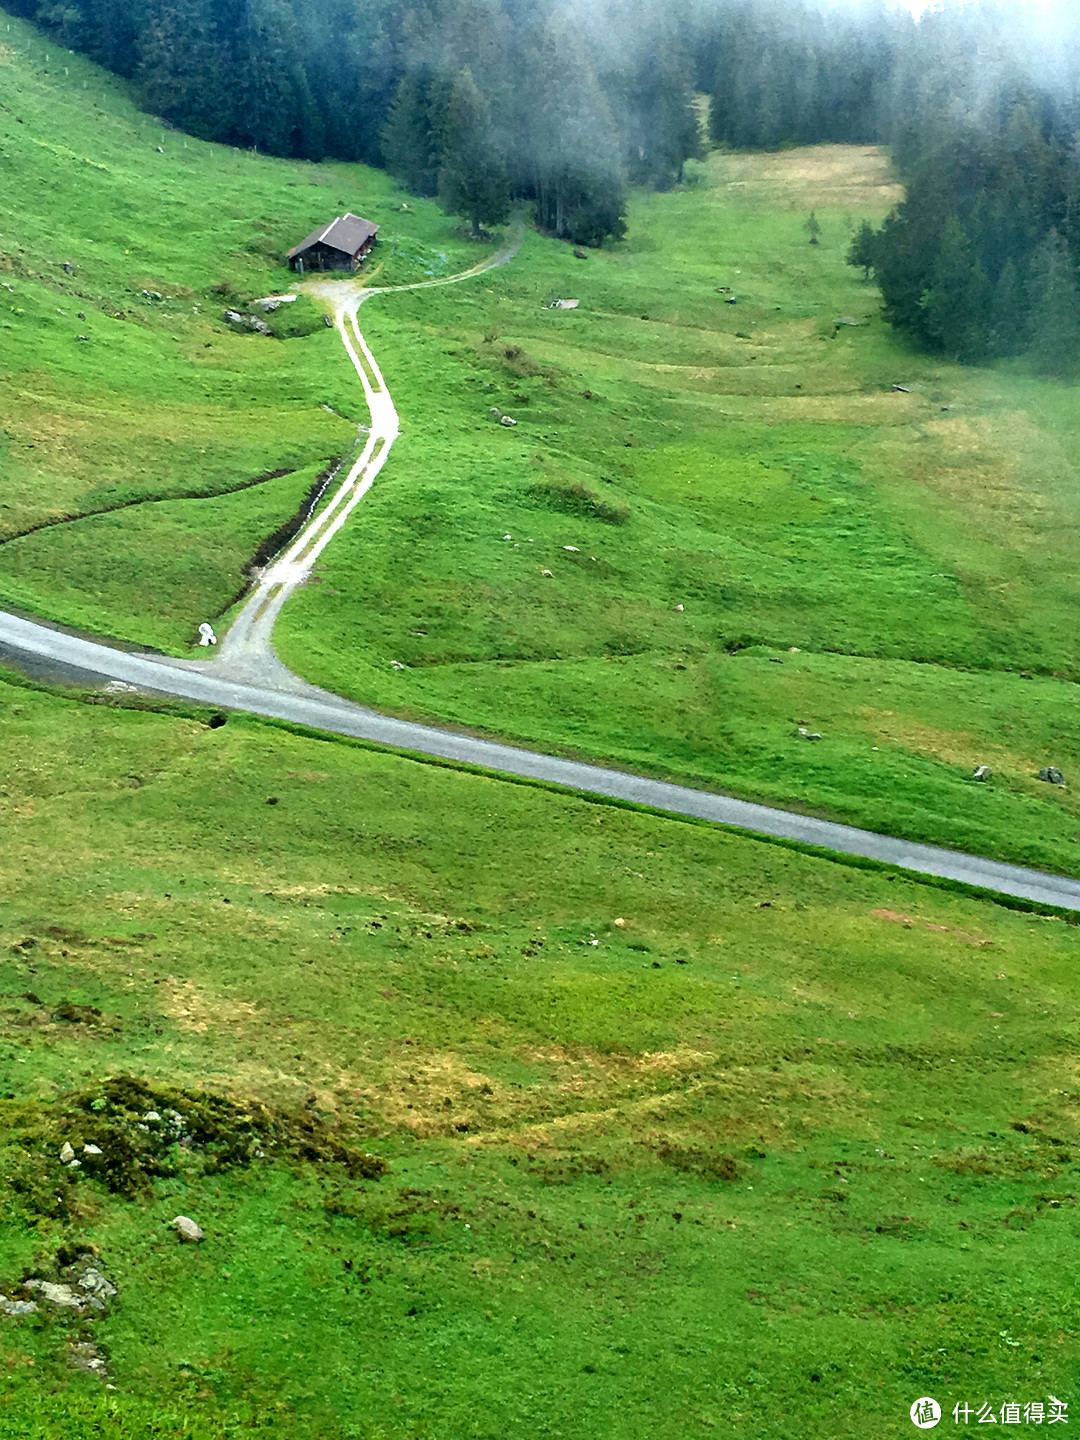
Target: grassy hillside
x: 881, y: 566
x: 122, y: 385
x: 687, y: 1135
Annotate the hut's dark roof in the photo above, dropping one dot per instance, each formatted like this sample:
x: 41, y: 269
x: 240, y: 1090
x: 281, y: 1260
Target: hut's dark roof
x: 347, y: 233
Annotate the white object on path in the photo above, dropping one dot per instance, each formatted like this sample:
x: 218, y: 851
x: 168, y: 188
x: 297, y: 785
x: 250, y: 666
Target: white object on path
x: 206, y: 634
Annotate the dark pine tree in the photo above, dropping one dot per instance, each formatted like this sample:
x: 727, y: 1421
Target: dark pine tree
x: 472, y: 177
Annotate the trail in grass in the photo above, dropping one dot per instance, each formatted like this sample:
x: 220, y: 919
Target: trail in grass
x: 247, y: 652
x: 247, y: 675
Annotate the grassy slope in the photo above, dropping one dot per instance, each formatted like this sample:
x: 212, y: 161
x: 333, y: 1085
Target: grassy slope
x: 407, y: 950
x: 777, y: 488
x: 162, y: 399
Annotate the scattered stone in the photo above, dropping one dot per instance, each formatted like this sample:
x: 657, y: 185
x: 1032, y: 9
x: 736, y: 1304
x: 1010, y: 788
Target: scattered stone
x: 82, y: 315
x: 731, y: 300
x: 87, y: 1357
x: 396, y: 665
x: 809, y: 734
x: 92, y: 1150
x: 120, y: 687
x: 680, y: 609
x: 901, y: 389
x: 328, y: 320
x: 620, y: 922
x: 160, y: 149
x: 574, y: 548
x: 1052, y: 775
x: 17, y: 1307
x: 67, y: 267
x: 983, y: 772
x: 151, y: 1115
x: 67, y: 1154
x: 153, y: 295
x: 96, y: 1286
x: 61, y: 1295
x: 547, y: 573
x: 847, y: 320
x: 496, y: 412
x: 508, y: 420
x: 580, y: 254
x: 189, y: 1232
x: 793, y: 650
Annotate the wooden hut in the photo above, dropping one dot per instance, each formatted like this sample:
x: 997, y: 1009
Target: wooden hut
x: 341, y: 245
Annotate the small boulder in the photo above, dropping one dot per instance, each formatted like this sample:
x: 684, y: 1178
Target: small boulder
x: 580, y: 254
x: 67, y: 267
x: 808, y: 734
x: 17, y: 1307
x: 983, y: 772
x: 508, y: 420
x: 96, y: 1286
x: 1052, y: 775
x: 60, y: 1295
x: 67, y: 1154
x: 188, y: 1231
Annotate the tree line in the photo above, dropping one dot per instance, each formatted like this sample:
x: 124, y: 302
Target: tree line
x: 982, y: 258
x: 485, y: 102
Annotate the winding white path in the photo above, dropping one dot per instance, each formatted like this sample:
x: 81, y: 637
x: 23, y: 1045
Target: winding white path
x: 247, y: 675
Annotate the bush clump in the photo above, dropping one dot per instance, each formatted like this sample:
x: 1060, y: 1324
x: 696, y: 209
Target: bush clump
x: 577, y: 499
x: 126, y: 1132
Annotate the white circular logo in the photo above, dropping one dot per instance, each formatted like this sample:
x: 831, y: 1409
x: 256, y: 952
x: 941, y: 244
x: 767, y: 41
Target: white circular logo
x: 925, y: 1413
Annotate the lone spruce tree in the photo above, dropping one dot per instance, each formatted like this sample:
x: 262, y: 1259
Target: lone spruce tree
x: 472, y: 176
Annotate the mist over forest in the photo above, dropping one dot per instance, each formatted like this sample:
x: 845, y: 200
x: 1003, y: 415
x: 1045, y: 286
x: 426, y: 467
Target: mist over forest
x: 485, y: 103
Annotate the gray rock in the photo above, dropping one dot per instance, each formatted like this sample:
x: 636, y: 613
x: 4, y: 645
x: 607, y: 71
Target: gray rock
x: 67, y: 267
x: 86, y: 1356
x: 983, y: 772
x: 17, y: 1307
x: 94, y: 1283
x: 809, y: 734
x: 187, y: 1229
x: 62, y: 1295
x: 234, y: 317
x: 67, y: 1154
x: 1052, y: 775
x: 507, y: 420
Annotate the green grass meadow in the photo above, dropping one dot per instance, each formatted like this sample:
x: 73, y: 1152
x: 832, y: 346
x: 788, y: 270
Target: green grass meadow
x: 121, y: 380
x: 508, y: 1114
x: 686, y: 1134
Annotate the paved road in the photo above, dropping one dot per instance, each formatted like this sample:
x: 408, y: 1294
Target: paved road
x: 307, y: 705
x: 246, y: 674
